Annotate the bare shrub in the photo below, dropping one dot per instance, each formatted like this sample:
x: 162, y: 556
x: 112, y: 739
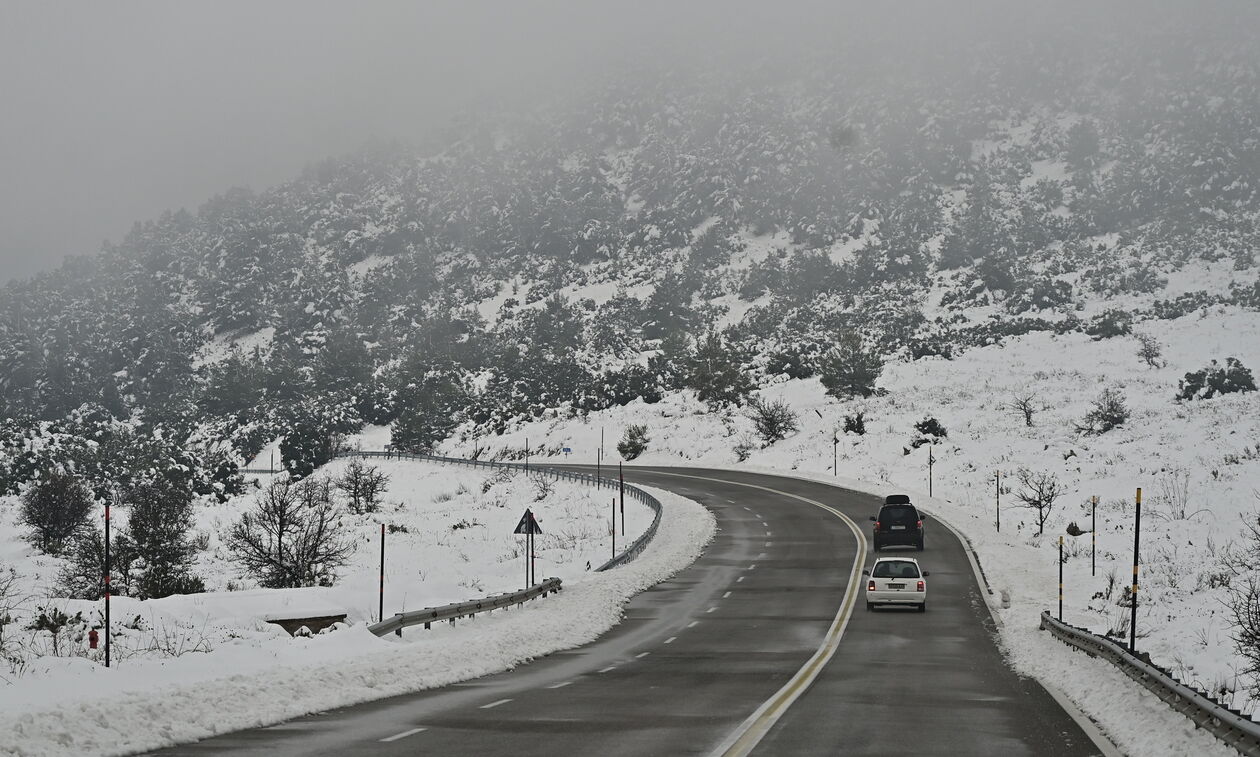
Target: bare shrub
x: 1026, y: 405
x: 363, y: 485
x: 1174, y: 495
x: 1039, y: 493
x: 1244, y: 615
x: 292, y: 536
x: 774, y: 420
x: 544, y: 485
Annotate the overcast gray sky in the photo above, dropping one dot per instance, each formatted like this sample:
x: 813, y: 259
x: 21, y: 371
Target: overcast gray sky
x: 111, y: 112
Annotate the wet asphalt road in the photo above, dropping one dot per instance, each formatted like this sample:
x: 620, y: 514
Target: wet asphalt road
x: 699, y: 653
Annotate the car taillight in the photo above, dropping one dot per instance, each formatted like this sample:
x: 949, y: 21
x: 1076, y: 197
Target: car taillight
x: 920, y: 524
x: 920, y: 586
x: 871, y: 586
x: 876, y: 525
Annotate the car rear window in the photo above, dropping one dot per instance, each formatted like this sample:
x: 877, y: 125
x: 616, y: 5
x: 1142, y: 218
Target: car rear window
x: 898, y: 514
x: 895, y: 569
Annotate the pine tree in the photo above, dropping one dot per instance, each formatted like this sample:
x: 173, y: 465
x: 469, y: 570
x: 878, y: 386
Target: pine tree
x: 159, y: 522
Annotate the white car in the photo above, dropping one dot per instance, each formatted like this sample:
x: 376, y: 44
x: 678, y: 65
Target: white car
x: 896, y: 581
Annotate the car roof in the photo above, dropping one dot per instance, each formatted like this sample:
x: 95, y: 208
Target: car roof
x: 895, y: 559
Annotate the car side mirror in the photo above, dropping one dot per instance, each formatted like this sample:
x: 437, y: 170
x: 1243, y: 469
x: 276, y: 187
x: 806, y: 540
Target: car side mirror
x: 872, y: 518
x: 926, y: 573
x: 922, y: 516
x: 866, y: 572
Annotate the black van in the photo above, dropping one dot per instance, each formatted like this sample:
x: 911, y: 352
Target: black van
x: 898, y: 522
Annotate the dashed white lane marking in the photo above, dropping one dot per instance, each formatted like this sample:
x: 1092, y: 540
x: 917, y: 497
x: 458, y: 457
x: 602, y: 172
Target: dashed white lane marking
x: 610, y: 667
x: 495, y: 704
x: 751, y: 567
x: 741, y: 578
x: 402, y: 735
x: 727, y: 594
x: 749, y: 509
x: 711, y: 609
x: 769, y: 533
x: 641, y: 655
x: 560, y: 685
x: 764, y: 523
x: 693, y: 624
x: 769, y: 543
x: 763, y: 554
x: 757, y: 515
x: 670, y: 640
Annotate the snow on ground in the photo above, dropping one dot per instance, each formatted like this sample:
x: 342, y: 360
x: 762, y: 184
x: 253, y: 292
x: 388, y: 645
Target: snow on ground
x: 191, y: 666
x: 1197, y: 462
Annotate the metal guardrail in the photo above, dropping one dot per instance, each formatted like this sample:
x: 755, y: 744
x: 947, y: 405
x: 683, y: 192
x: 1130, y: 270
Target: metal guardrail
x: 1228, y: 725
x: 463, y: 609
x: 632, y: 492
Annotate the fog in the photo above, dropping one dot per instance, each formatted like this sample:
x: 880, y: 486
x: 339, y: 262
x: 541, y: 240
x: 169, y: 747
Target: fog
x: 114, y: 112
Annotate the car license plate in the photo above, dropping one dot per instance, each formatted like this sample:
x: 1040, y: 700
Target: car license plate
x: 899, y: 528
x: 896, y: 586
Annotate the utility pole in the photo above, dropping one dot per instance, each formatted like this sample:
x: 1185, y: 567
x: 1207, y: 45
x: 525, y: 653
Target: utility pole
x: 1137, y: 533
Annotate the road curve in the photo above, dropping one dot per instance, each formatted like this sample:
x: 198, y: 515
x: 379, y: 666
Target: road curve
x: 699, y: 654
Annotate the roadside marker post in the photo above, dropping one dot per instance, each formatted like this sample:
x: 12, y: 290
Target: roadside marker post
x: 1137, y: 534
x: 381, y: 612
x: 614, y: 527
x: 997, y: 506
x: 621, y: 475
x: 1060, y: 578
x: 107, y: 572
x: 1093, y: 535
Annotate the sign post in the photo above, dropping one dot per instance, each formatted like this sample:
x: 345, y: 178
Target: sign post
x: 930, y: 461
x: 614, y: 527
x: 528, y: 525
x: 381, y: 615
x: 622, y: 476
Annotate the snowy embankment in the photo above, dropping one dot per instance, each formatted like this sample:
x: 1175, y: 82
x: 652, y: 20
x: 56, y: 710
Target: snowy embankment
x: 457, y: 545
x: 1198, y: 463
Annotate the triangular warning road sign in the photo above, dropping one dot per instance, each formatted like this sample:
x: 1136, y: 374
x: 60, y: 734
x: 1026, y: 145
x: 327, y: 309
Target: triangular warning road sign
x: 528, y: 525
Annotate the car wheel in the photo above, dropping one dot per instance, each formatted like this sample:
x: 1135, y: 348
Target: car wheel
x: 919, y: 546
x: 870, y: 606
x: 923, y: 607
